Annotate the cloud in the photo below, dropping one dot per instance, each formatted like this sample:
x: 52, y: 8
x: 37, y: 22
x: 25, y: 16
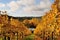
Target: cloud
x: 2, y: 5
x: 13, y: 6
x: 25, y: 2
x: 39, y: 9
x: 43, y: 5
x: 28, y: 7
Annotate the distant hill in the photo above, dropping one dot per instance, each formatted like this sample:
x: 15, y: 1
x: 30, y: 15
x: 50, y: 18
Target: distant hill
x: 23, y: 18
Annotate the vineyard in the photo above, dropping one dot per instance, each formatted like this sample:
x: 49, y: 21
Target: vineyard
x: 46, y: 27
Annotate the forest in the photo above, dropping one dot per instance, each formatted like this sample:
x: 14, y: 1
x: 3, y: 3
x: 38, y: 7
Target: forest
x: 46, y: 27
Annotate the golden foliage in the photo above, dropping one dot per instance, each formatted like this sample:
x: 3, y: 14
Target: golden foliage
x: 12, y: 25
x: 50, y: 23
x: 35, y: 21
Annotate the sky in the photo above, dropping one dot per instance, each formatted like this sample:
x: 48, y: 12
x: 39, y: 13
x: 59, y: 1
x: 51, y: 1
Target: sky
x: 21, y: 8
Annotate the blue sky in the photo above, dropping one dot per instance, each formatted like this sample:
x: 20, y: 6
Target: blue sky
x: 25, y: 7
x: 6, y: 1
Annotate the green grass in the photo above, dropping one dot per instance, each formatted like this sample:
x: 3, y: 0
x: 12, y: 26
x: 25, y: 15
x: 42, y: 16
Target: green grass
x: 30, y: 37
x: 0, y: 38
